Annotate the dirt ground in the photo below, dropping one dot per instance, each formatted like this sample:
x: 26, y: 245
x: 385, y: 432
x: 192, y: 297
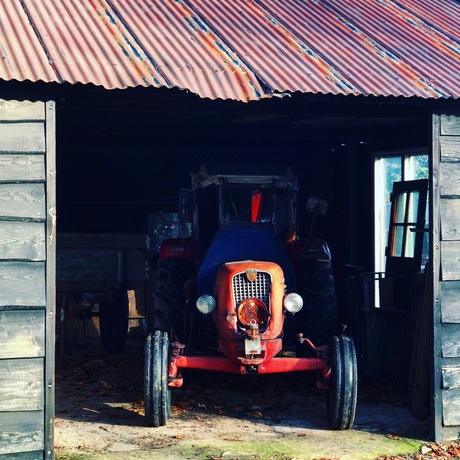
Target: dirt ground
x: 99, y: 414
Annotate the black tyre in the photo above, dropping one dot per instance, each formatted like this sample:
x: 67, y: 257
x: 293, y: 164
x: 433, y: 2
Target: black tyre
x: 172, y: 292
x: 318, y: 317
x: 343, y: 386
x: 113, y: 323
x: 157, y: 394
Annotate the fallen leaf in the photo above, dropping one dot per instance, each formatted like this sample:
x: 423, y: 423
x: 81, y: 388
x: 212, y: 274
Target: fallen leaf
x: 424, y: 450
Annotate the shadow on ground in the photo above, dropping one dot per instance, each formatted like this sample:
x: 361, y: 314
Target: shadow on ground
x: 99, y: 410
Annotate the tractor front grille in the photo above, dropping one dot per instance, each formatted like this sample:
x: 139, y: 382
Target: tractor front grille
x: 259, y: 288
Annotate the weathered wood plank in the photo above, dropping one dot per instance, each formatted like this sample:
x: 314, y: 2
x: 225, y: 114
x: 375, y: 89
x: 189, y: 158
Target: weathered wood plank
x: 22, y: 167
x: 101, y: 240
x: 22, y: 283
x: 450, y: 125
x: 22, y: 240
x: 450, y: 148
x: 21, y: 110
x: 86, y: 286
x: 449, y: 179
x: 450, y: 337
x: 450, y: 260
x: 37, y: 455
x: 21, y: 431
x: 134, y: 267
x: 22, y: 334
x: 22, y: 137
x: 450, y: 433
x: 450, y: 302
x: 451, y: 407
x: 86, y: 265
x: 450, y: 218
x: 21, y: 384
x: 450, y: 377
x: 22, y: 200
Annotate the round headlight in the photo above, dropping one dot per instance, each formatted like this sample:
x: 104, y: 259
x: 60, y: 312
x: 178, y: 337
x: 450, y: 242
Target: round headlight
x: 293, y: 303
x: 252, y: 311
x: 206, y: 304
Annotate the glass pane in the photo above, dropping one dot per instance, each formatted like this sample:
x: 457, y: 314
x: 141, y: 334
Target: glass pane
x: 393, y: 168
x: 413, y: 206
x: 401, y: 208
x: 398, y: 234
x: 164, y: 225
x: 415, y: 167
x: 420, y: 167
x: 409, y: 250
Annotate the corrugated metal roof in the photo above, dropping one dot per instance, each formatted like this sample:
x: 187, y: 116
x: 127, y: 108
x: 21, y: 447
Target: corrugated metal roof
x: 237, y: 49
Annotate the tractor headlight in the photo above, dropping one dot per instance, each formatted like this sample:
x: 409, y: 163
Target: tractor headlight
x: 252, y: 311
x: 206, y: 304
x: 293, y: 303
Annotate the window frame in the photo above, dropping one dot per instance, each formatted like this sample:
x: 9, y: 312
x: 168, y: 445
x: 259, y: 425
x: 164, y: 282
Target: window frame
x: 382, y: 207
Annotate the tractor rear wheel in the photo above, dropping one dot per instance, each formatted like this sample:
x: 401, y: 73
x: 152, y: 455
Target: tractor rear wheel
x: 317, y: 319
x: 157, y: 394
x: 173, y: 279
x: 343, y: 386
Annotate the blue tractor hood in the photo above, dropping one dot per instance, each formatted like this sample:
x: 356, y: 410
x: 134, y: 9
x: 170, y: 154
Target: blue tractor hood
x: 234, y: 243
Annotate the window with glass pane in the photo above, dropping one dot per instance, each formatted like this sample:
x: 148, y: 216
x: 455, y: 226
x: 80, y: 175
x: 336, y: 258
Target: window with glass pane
x: 405, y: 223
x: 393, y: 167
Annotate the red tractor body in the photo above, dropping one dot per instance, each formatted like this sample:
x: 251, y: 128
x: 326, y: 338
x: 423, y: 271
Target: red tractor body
x: 244, y: 291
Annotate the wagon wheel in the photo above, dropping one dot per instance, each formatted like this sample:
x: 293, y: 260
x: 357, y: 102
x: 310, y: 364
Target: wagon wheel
x: 113, y: 323
x: 343, y: 386
x: 157, y: 395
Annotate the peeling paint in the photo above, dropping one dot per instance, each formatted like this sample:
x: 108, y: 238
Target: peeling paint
x: 126, y: 42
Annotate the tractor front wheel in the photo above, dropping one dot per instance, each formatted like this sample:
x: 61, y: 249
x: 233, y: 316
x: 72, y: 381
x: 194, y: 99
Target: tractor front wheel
x: 343, y: 386
x: 157, y: 394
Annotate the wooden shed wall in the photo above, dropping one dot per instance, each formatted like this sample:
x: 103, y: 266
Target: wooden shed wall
x: 446, y: 256
x: 26, y: 289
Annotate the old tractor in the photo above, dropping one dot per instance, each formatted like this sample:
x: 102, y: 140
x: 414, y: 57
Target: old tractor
x: 244, y: 294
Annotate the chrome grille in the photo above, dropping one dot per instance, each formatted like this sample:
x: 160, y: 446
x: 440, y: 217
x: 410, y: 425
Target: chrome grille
x: 259, y: 288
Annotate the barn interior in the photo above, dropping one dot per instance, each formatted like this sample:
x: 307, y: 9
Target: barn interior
x: 123, y: 156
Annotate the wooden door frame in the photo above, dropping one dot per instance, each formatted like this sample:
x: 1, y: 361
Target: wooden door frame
x: 50, y: 112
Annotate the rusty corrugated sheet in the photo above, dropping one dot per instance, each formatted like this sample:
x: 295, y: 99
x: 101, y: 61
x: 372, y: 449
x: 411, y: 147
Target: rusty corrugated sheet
x: 237, y: 49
